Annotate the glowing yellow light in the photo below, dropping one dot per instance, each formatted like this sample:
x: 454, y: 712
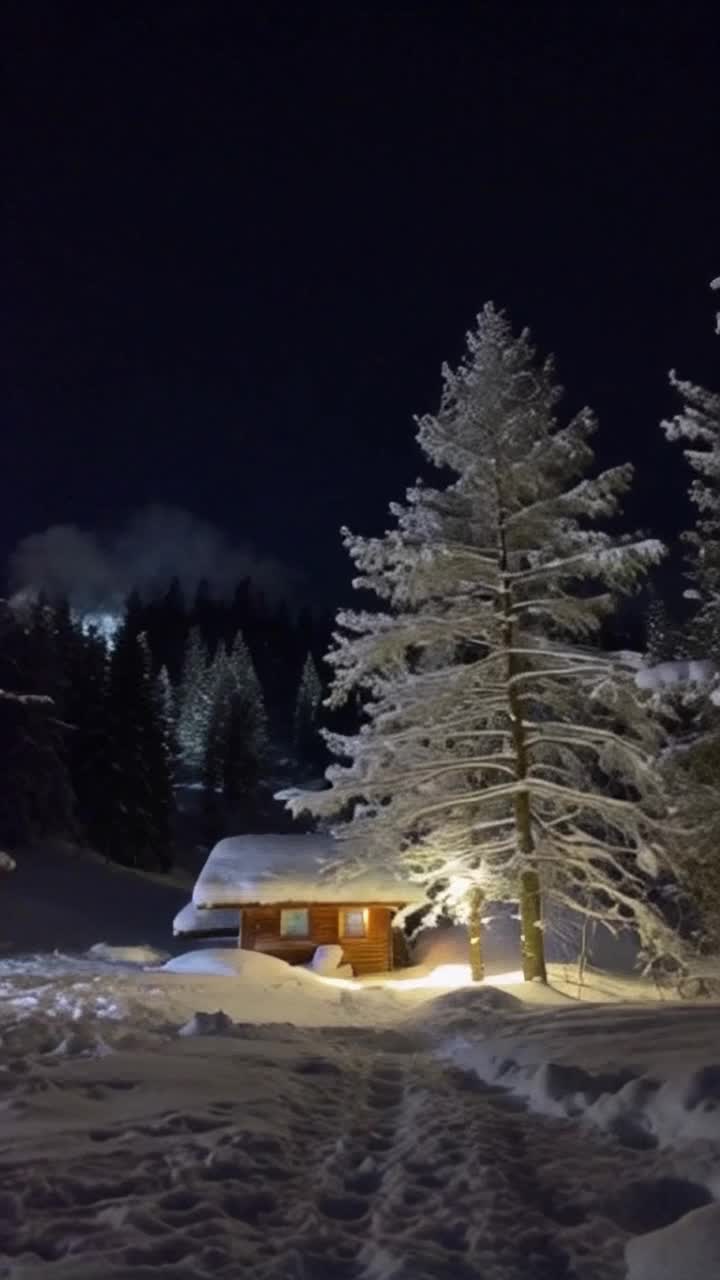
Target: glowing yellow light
x: 444, y: 977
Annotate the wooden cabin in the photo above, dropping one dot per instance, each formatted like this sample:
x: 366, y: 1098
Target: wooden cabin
x: 294, y: 893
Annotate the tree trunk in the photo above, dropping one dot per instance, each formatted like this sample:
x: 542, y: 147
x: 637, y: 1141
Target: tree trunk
x: 477, y: 967
x: 532, y: 940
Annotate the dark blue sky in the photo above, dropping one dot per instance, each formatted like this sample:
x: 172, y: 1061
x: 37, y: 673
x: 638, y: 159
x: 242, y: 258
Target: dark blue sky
x: 241, y: 240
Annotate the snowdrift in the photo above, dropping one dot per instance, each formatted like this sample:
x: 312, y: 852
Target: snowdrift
x: 649, y: 1075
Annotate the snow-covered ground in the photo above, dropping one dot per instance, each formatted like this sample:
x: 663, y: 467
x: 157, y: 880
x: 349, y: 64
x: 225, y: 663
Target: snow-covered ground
x: 271, y: 1124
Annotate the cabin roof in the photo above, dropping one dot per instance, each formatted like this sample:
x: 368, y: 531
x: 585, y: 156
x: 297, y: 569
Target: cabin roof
x: 264, y: 870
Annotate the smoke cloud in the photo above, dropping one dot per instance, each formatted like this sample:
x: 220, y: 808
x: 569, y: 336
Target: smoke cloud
x: 157, y: 543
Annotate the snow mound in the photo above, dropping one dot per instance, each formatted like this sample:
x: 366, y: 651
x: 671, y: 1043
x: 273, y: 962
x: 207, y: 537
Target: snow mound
x: 233, y: 962
x: 474, y: 1008
x: 127, y: 955
x: 649, y: 1076
x: 207, y: 1024
x: 689, y: 1249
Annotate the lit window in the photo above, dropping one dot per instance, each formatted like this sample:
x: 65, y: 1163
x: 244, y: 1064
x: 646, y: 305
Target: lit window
x: 295, y: 923
x: 353, y: 923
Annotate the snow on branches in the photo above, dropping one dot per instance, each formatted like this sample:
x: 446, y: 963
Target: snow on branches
x: 501, y: 749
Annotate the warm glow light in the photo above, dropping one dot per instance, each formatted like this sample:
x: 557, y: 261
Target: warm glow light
x: 444, y: 977
x: 447, y: 976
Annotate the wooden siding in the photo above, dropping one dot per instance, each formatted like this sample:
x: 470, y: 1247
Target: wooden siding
x: 371, y: 954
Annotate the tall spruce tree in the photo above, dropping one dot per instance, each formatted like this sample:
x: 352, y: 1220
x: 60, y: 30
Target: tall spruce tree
x: 692, y: 758
x: 502, y: 755
x: 86, y: 710
x: 140, y: 781
x: 195, y: 701
x: 237, y: 734
x: 309, y: 746
x: 697, y: 426
x: 36, y: 798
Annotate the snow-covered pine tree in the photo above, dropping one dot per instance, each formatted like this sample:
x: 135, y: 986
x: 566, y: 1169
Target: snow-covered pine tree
x: 237, y: 735
x: 246, y: 727
x: 195, y: 701
x: 690, y: 713
x: 167, y: 703
x: 306, y: 729
x: 500, y: 753
x: 697, y: 425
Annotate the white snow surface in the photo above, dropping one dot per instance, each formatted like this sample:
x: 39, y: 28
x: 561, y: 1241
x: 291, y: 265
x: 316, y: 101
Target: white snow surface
x: 645, y: 1073
x: 689, y: 1249
x: 273, y: 1124
x: 665, y: 675
x: 267, y: 869
x: 192, y: 919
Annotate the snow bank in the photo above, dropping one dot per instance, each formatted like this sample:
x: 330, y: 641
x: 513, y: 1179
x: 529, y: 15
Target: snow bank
x: 688, y: 1249
x: 648, y: 1075
x: 230, y: 962
x: 262, y: 870
x: 197, y: 920
x: 665, y: 675
x: 127, y: 955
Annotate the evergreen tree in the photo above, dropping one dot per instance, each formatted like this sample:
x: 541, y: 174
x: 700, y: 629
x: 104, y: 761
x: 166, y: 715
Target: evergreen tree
x: 86, y: 711
x: 501, y: 753
x: 167, y: 703
x: 248, y: 699
x: 698, y: 426
x: 140, y: 778
x: 195, y: 701
x: 237, y: 733
x: 306, y: 728
x: 36, y: 799
x: 690, y: 711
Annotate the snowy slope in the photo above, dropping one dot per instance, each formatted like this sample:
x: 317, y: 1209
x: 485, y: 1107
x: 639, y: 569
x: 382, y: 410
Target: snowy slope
x: 67, y: 898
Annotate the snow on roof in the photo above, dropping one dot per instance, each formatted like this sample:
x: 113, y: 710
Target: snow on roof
x: 263, y: 870
x: 192, y: 919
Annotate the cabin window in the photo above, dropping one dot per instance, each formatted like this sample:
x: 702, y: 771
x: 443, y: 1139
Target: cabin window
x: 353, y: 922
x: 295, y: 923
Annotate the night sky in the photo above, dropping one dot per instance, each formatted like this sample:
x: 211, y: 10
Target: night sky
x: 241, y: 240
